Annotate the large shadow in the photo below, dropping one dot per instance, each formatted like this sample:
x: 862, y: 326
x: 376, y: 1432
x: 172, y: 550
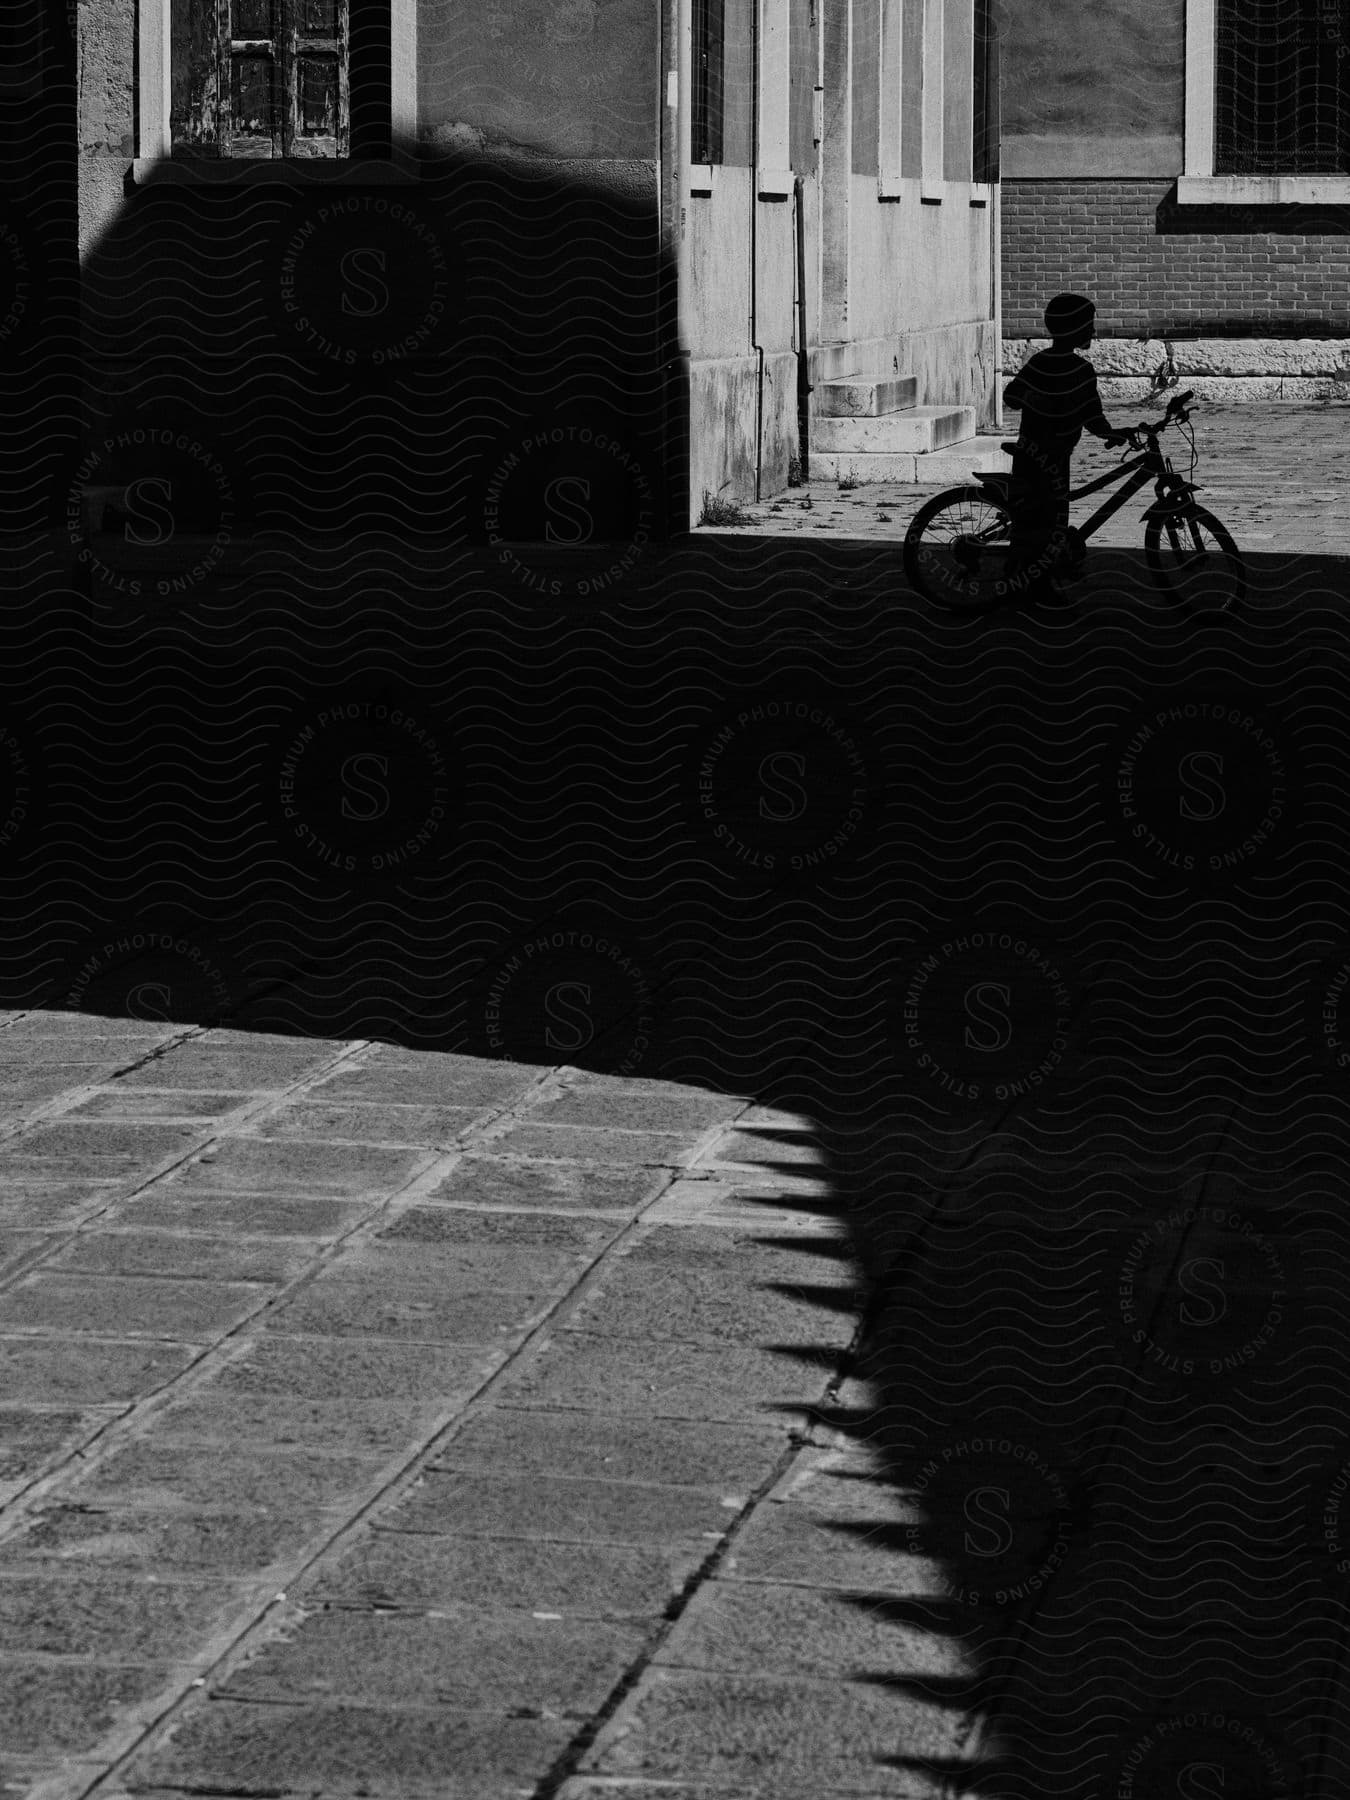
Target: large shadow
x: 1039, y: 918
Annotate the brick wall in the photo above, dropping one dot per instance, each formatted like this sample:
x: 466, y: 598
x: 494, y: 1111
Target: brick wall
x: 1158, y: 269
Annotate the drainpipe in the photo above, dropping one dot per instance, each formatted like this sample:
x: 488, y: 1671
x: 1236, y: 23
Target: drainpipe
x: 803, y: 371
x: 755, y: 344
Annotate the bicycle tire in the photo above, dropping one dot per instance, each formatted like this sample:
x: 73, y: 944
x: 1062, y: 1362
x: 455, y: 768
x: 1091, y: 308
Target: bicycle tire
x: 1211, y: 587
x: 929, y: 572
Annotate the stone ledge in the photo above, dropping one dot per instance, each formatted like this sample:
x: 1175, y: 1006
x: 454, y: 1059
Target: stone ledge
x: 1236, y: 358
x: 1233, y: 390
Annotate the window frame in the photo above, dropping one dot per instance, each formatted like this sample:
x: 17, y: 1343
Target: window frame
x: 1198, y: 185
x: 155, y: 162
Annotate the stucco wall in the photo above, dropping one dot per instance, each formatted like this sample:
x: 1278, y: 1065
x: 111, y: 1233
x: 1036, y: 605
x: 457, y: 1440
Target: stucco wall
x: 575, y: 78
x: 1110, y: 68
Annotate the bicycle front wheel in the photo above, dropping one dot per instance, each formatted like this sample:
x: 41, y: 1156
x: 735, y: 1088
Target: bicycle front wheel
x: 956, y: 549
x: 1193, y: 559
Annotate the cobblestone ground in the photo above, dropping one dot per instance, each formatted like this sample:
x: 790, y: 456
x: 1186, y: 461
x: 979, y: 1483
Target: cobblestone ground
x: 1277, y: 475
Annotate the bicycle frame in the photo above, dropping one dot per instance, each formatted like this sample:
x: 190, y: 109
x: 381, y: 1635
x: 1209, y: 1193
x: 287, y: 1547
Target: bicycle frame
x: 1132, y: 476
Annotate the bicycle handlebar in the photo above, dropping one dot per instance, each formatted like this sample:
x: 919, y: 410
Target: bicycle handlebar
x: 1175, y: 410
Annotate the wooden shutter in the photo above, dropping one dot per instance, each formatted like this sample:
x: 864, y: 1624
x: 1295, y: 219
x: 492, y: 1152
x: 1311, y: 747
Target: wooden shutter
x: 261, y: 78
x: 252, y: 39
x: 315, y: 61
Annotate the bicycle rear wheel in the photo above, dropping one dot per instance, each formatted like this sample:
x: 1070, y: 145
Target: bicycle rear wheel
x: 1193, y: 559
x: 956, y: 549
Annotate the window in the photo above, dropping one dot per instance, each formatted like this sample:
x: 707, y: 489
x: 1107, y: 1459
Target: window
x: 708, y: 75
x: 1281, y: 88
x: 1267, y: 103
x: 260, y: 78
x: 984, y: 117
x: 277, y: 89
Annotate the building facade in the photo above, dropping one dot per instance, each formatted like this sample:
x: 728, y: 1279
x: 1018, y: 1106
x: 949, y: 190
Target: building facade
x: 384, y: 259
x: 1187, y: 164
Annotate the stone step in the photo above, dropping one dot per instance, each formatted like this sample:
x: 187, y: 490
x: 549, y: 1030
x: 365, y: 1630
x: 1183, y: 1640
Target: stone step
x: 854, y: 398
x: 921, y: 429
x: 943, y: 468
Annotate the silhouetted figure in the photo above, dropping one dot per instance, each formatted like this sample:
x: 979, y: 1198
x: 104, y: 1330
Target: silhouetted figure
x: 1056, y: 394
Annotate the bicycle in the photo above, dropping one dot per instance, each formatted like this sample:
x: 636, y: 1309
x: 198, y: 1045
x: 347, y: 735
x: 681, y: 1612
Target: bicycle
x: 957, y: 543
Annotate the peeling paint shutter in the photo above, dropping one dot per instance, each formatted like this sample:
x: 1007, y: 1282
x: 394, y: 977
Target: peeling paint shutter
x: 260, y: 78
x: 316, y: 79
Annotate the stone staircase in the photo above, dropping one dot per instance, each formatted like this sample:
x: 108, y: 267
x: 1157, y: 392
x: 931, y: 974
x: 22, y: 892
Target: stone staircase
x: 871, y: 431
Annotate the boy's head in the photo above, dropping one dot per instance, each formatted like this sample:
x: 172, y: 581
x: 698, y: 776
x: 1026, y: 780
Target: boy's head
x: 1068, y: 319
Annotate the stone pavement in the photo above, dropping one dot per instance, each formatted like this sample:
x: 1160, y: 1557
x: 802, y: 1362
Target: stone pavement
x: 378, y: 1421
x: 1276, y: 474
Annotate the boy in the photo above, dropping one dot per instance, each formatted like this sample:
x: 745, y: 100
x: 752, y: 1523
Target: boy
x: 1056, y: 393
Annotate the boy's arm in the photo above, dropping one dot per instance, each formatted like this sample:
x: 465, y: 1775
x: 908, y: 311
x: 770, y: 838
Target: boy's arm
x: 1097, y: 422
x: 1015, y: 393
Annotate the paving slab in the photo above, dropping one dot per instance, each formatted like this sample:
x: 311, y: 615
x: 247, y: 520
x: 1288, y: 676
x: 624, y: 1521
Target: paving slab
x: 299, y: 1171
x: 127, y: 1305
x: 260, y: 1215
x: 469, y: 1658
x: 570, y: 1509
x: 767, y: 1737
x: 432, y: 1127
x: 254, y: 1477
x: 663, y: 1380
x: 391, y: 1568
x: 493, y: 1181
x: 453, y: 1081
x: 356, y: 1369
x: 670, y: 1452
x: 231, y: 1747
x: 424, y: 1312
x: 369, y: 1428
x: 129, y: 1620
x: 46, y: 1707
x: 98, y: 1371
x: 109, y: 1251
x: 244, y: 1068
x: 99, y: 1533
x: 134, y: 1103
x: 594, y: 1144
